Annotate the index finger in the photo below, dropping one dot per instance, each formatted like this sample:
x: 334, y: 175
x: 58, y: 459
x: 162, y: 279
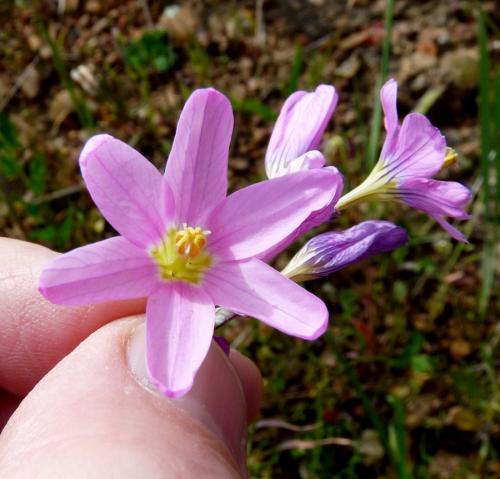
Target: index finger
x: 35, y: 334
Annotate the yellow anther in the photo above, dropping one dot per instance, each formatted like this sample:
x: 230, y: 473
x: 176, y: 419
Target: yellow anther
x: 181, y: 255
x: 190, y: 241
x: 450, y: 158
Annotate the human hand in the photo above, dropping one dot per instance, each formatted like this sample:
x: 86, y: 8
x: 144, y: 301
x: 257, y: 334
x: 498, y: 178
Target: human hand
x: 90, y: 411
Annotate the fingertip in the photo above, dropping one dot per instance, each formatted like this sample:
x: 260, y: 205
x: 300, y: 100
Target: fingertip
x: 251, y: 383
x: 91, y: 413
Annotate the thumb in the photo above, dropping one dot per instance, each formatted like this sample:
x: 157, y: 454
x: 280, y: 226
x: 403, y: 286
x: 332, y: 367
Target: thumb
x: 95, y: 415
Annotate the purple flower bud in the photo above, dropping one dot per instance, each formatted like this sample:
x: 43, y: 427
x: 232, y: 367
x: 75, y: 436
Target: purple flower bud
x: 329, y: 252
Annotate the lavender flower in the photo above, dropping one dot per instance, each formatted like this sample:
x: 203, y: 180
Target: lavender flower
x: 411, y: 155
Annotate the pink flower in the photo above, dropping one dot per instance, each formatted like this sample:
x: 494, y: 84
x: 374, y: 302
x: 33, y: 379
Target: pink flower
x: 298, y: 131
x: 411, y: 155
x: 292, y: 147
x: 188, y: 247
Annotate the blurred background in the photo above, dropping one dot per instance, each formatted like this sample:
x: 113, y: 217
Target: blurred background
x: 405, y: 382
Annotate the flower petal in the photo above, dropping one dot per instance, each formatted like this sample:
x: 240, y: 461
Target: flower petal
x: 435, y: 197
x: 197, y: 165
x: 451, y: 230
x: 111, y: 269
x: 308, y: 161
x: 255, y: 289
x: 329, y: 252
x: 126, y: 187
x: 257, y: 218
x: 179, y: 327
x: 388, y: 98
x: 300, y: 125
x: 419, y: 150
x: 315, y: 219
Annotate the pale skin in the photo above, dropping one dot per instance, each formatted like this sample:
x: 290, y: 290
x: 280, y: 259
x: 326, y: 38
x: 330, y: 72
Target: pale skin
x: 75, y: 400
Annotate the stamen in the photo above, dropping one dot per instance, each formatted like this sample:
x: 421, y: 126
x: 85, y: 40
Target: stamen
x: 190, y: 241
x: 451, y: 157
x: 181, y: 255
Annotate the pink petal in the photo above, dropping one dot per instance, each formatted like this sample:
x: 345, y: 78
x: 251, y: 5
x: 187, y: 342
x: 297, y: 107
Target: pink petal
x: 308, y: 161
x: 314, y: 219
x: 436, y: 197
x: 388, y: 98
x: 451, y: 230
x: 179, y: 326
x: 108, y: 270
x: 126, y: 187
x: 299, y: 128
x: 419, y: 149
x: 255, y: 289
x: 254, y: 219
x: 197, y: 165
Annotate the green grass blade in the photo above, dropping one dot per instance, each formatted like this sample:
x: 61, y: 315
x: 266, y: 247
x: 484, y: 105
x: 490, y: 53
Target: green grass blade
x: 486, y: 124
x: 296, y: 70
x: 376, y: 121
x: 397, y: 438
x: 496, y: 136
x: 484, y: 109
x: 81, y: 109
x: 368, y: 406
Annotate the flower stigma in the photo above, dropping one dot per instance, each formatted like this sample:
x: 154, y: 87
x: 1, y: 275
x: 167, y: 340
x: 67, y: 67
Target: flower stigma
x: 181, y: 255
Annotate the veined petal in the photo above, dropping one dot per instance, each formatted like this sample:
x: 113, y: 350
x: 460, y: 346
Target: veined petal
x: 300, y: 125
x: 388, y: 98
x: 179, y: 327
x: 257, y: 218
x: 420, y: 150
x: 111, y: 269
x: 308, y: 161
x: 126, y: 188
x: 255, y: 289
x: 315, y: 219
x: 197, y: 165
x: 441, y: 198
x: 329, y: 252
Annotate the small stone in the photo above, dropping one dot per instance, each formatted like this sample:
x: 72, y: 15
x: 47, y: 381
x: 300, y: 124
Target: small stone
x: 180, y: 22
x: 85, y: 76
x: 463, y: 419
x: 60, y: 107
x: 370, y: 447
x: 67, y: 6
x: 45, y: 52
x: 34, y: 42
x: 93, y: 6
x: 239, y: 164
x: 349, y: 67
x: 461, y: 67
x: 459, y: 348
x: 31, y: 84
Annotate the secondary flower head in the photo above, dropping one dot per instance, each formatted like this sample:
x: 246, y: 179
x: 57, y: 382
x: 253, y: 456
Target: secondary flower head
x: 328, y: 252
x: 298, y: 131
x: 188, y: 247
x: 411, y: 155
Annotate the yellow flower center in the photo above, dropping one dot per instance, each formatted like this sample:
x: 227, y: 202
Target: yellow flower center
x: 181, y: 255
x: 451, y: 157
